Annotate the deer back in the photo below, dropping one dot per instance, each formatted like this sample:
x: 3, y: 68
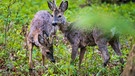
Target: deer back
x: 41, y: 25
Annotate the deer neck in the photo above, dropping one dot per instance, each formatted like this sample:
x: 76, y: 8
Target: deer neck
x: 63, y: 27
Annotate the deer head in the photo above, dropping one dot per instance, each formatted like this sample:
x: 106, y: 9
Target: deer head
x: 58, y: 12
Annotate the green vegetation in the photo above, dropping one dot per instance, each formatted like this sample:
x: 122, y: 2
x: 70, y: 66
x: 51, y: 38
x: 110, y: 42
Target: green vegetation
x: 14, y: 14
x: 106, y: 18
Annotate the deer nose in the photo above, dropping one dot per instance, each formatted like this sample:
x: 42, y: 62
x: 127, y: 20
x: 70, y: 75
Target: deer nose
x: 53, y: 60
x: 54, y: 23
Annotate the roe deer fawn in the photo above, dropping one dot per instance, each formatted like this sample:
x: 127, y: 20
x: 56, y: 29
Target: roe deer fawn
x: 80, y: 39
x: 41, y: 35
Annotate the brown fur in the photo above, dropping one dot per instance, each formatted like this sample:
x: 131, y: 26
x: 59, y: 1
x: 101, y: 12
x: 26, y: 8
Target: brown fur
x: 80, y: 39
x: 41, y: 35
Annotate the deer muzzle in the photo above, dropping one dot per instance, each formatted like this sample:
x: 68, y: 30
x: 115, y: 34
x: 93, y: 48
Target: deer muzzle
x: 54, y: 23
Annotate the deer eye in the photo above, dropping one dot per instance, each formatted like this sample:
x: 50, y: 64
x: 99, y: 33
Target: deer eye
x: 47, y: 52
x: 59, y: 16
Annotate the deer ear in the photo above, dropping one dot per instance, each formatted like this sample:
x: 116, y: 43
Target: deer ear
x: 63, y: 6
x: 51, y: 5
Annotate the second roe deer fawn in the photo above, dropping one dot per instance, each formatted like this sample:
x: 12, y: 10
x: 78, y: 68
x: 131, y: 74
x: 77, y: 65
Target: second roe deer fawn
x: 79, y: 39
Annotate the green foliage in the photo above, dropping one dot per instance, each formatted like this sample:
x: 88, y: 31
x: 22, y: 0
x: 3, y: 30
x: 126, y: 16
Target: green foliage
x: 106, y: 18
x: 17, y: 13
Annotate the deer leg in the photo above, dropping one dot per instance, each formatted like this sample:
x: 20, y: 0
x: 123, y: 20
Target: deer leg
x: 42, y: 50
x: 43, y: 55
x: 74, y: 52
x: 102, y: 44
x: 43, y: 62
x: 82, y: 52
x: 43, y: 58
x: 116, y: 46
x: 30, y: 47
x: 105, y: 54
